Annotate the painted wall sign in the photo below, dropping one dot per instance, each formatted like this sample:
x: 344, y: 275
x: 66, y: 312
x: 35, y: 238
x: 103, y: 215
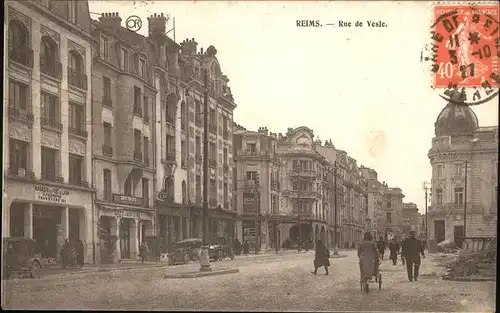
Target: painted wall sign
x: 52, y: 194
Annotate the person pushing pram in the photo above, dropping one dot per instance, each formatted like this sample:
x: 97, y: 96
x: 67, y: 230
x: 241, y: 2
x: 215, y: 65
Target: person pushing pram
x: 369, y: 260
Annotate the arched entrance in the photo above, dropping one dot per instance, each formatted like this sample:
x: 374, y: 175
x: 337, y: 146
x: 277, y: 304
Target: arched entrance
x: 294, y: 233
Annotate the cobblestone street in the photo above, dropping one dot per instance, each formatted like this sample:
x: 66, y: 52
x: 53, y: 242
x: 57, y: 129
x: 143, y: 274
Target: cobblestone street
x: 279, y: 282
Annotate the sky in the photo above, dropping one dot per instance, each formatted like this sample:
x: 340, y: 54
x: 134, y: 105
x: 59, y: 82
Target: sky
x: 364, y: 88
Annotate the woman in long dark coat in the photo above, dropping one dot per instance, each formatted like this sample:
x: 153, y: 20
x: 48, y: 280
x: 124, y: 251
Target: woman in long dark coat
x: 79, y: 253
x: 321, y: 257
x: 393, y: 248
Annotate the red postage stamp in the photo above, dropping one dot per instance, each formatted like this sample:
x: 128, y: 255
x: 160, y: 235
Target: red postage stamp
x: 465, y: 45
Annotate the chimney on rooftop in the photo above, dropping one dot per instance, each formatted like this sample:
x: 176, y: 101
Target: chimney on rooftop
x: 156, y: 24
x: 111, y: 21
x: 189, y: 47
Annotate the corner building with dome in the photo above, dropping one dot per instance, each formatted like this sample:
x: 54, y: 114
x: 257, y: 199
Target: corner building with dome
x: 464, y: 160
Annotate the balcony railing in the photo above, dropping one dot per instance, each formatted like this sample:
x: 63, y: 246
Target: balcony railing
x: 212, y: 128
x: 251, y: 182
x: 138, y: 156
x: 107, y: 150
x: 52, y: 123
x: 212, y: 163
x: 50, y: 67
x: 78, y: 131
x: 198, y: 158
x: 21, y: 114
x: 303, y: 194
x: 21, y: 55
x: 107, y: 102
x: 21, y: 172
x: 137, y: 110
x: 303, y: 172
x: 170, y: 119
x: 128, y: 200
x: 170, y: 156
x: 213, y: 202
x: 77, y: 79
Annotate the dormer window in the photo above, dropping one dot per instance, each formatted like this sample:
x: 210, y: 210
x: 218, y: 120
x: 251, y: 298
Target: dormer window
x: 124, y: 60
x: 104, y: 47
x: 142, y: 68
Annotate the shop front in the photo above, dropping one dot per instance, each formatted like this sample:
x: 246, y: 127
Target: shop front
x: 175, y: 223
x: 121, y: 231
x: 50, y: 213
x: 222, y: 223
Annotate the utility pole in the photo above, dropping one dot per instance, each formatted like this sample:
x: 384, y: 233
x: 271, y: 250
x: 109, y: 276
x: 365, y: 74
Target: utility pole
x: 335, y: 205
x: 465, y: 200
x: 204, y: 259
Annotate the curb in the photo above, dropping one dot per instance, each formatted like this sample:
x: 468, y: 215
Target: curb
x: 202, y: 274
x: 469, y: 279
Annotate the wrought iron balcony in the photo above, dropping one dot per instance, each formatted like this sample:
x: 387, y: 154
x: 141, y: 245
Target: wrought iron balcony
x: 107, y: 102
x: 303, y: 172
x: 251, y: 183
x: 107, y: 150
x: 52, y: 123
x: 21, y: 172
x: 76, y: 79
x: 21, y: 55
x: 137, y: 110
x: 138, y: 156
x: 50, y: 67
x: 21, y: 114
x: 128, y: 200
x: 78, y: 131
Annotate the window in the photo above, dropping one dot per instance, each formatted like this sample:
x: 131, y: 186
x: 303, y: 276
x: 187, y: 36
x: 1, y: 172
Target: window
x: 224, y: 123
x: 107, y: 134
x: 198, y: 146
x: 50, y: 110
x: 107, y: 184
x: 184, y: 192
x: 439, y: 171
x: 48, y: 57
x: 213, y: 189
x: 18, y: 155
x: 251, y: 147
x: 225, y: 156
x: 145, y: 192
x: 252, y: 176
x: 72, y: 11
x: 137, y: 141
x: 75, y: 169
x: 212, y: 118
x: 183, y: 153
x: 124, y: 60
x: 198, y: 189
x: 106, y: 91
x: 226, y: 196
x: 127, y: 186
x: 142, y: 68
x: 295, y: 186
x: 389, y: 217
x: 49, y: 159
x: 439, y: 196
x: 137, y: 100
x: 213, y: 151
x: 170, y: 144
x: 295, y: 164
x: 76, y: 117
x: 459, y: 195
x: 146, y: 149
x: 104, y: 47
x: 198, y: 113
x: 19, y: 43
x: 76, y: 72
x: 18, y: 95
x: 146, y: 108
x: 183, y: 116
x: 457, y: 170
x: 388, y: 204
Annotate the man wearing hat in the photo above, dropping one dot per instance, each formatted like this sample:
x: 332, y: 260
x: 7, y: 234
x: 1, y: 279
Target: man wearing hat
x: 411, y: 251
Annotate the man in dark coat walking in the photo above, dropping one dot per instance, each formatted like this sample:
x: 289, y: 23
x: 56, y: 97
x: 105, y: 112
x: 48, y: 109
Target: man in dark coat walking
x: 393, y: 248
x: 412, y: 249
x: 321, y: 257
x: 381, y: 247
x: 246, y: 248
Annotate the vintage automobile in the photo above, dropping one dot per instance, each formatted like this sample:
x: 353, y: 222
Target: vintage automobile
x: 19, y: 257
x: 184, y: 251
x: 219, y: 249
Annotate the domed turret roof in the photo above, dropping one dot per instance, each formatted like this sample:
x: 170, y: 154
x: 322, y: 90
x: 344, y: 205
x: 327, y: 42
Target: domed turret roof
x: 455, y: 119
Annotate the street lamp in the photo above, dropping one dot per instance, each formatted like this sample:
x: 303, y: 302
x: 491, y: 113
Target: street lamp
x: 427, y: 187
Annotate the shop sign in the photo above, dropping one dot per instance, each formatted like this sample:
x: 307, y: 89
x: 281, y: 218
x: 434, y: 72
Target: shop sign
x: 129, y: 214
x: 52, y: 194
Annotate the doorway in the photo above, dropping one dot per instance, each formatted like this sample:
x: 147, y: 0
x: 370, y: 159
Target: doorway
x: 125, y: 238
x: 458, y: 234
x: 439, y: 230
x: 45, y: 230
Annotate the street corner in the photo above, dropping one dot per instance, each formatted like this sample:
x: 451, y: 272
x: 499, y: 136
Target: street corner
x: 198, y: 273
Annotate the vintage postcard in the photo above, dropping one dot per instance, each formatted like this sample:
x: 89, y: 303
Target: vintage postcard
x: 250, y: 155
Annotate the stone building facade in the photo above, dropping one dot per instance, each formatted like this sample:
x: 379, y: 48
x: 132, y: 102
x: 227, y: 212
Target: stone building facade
x: 374, y: 194
x: 464, y: 160
x: 411, y: 218
x: 48, y: 183
x: 392, y: 217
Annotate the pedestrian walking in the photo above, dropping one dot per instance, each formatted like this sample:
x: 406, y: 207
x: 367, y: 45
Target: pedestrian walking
x: 143, y: 251
x: 246, y: 248
x: 237, y: 246
x: 321, y: 257
x: 401, y: 248
x: 80, y: 253
x: 368, y: 257
x: 412, y: 249
x: 393, y: 248
x: 381, y: 247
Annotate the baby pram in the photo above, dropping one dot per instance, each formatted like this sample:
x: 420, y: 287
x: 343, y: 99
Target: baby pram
x: 368, y: 271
